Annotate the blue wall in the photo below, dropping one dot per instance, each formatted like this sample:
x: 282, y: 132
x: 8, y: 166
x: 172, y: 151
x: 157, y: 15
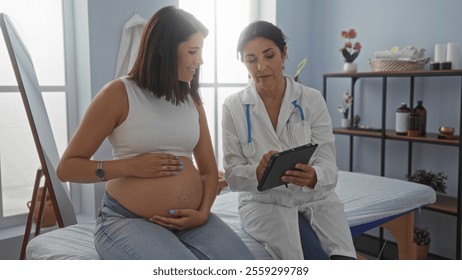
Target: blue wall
x: 381, y: 25
x: 106, y: 19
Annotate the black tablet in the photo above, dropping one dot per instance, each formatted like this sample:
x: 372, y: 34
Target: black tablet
x: 282, y: 161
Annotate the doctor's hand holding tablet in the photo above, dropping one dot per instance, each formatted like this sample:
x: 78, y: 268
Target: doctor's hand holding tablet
x: 289, y: 166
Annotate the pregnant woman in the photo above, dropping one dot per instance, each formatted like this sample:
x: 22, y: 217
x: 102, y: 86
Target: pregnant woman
x: 157, y: 203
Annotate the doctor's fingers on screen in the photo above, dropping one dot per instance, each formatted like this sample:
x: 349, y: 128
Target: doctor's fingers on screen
x: 266, y: 157
x: 264, y: 163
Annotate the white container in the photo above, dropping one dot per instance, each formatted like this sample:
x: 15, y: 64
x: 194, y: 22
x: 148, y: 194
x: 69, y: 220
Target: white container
x: 345, y: 123
x: 453, y: 55
x: 402, y: 118
x: 440, y: 52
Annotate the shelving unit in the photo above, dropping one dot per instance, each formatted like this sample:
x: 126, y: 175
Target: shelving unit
x: 444, y: 204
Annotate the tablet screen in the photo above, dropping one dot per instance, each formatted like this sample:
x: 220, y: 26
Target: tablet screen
x: 282, y: 161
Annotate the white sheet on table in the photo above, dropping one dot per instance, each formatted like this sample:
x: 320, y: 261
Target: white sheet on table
x: 367, y: 198
x: 74, y: 242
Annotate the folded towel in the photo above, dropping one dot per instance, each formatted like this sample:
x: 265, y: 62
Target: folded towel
x: 384, y: 55
x: 407, y: 53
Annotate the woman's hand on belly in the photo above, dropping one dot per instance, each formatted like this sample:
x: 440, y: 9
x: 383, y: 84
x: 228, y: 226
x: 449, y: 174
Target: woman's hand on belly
x: 181, y: 219
x: 148, y: 197
x: 152, y: 165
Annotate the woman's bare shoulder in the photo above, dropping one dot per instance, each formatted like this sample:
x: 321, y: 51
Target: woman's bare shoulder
x: 112, y: 99
x: 114, y: 87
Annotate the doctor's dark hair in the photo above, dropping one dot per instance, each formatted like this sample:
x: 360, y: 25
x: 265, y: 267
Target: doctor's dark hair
x: 156, y: 64
x: 261, y: 29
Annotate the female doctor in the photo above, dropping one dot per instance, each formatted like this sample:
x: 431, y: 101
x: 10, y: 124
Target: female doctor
x: 274, y: 113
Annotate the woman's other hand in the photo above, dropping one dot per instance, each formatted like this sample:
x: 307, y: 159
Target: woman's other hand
x: 181, y: 219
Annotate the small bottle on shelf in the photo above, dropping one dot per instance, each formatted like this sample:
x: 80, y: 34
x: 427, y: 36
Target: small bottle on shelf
x: 421, y: 113
x: 402, y: 119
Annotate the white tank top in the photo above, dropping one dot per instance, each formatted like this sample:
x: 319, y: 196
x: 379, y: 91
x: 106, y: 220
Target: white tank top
x: 155, y: 125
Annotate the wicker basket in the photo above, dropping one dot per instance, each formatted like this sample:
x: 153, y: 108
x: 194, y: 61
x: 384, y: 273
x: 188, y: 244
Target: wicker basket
x: 389, y: 65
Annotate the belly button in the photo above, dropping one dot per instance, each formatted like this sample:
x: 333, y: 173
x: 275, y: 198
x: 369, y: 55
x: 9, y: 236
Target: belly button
x: 184, y: 198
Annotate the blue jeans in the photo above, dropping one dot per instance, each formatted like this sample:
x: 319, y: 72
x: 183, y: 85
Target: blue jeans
x: 120, y: 234
x: 311, y: 246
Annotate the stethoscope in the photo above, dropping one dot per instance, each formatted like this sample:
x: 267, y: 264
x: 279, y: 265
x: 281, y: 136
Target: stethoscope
x: 249, y: 149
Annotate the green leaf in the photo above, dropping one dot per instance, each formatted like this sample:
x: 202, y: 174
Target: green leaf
x: 300, y: 67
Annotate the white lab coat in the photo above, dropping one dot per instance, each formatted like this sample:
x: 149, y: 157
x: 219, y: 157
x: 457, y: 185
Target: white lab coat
x: 271, y: 216
x: 129, y: 43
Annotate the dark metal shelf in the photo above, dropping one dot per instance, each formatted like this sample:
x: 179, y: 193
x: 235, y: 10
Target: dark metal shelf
x: 445, y: 204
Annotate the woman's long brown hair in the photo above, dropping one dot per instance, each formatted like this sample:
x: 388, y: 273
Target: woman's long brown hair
x: 156, y: 65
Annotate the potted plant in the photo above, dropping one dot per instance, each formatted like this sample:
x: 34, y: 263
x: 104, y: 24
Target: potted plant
x: 422, y: 241
x: 350, y: 50
x: 435, y: 180
x: 344, y: 108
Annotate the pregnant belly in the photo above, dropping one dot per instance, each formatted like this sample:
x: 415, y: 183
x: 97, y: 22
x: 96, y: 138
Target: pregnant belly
x: 147, y: 197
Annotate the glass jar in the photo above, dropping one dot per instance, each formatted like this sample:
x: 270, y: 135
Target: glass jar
x: 413, y: 125
x: 402, y: 119
x: 421, y: 114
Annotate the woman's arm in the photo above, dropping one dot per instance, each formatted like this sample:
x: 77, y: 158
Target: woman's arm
x: 103, y: 115
x: 324, y: 160
x: 107, y: 111
x: 206, y: 164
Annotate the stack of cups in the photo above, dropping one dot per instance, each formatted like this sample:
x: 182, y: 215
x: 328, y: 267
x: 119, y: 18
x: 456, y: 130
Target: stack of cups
x: 447, y: 57
x: 440, y: 53
x: 453, y: 55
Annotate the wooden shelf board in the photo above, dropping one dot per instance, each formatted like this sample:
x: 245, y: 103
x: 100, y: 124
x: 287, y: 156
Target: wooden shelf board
x: 357, y: 132
x: 428, y: 138
x: 395, y: 74
x: 445, y: 204
x: 431, y: 138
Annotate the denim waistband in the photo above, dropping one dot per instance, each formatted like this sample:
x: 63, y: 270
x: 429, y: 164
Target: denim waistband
x: 111, y: 203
